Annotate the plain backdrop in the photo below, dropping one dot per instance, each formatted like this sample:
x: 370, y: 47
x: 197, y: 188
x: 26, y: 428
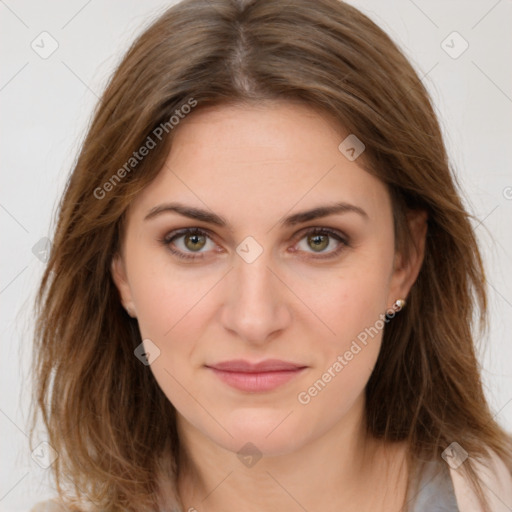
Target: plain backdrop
x: 46, y: 104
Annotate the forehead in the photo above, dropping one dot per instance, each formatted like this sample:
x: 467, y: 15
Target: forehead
x: 265, y: 159
x: 270, y: 131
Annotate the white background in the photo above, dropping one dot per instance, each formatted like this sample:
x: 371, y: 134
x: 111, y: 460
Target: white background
x: 46, y: 105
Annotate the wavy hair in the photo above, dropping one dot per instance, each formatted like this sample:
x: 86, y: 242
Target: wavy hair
x: 105, y: 413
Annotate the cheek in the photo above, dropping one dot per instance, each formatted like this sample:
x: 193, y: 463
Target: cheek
x: 170, y: 312
x: 354, y: 306
x: 173, y: 318
x: 166, y: 296
x: 348, y: 357
x: 348, y: 300
x: 351, y: 304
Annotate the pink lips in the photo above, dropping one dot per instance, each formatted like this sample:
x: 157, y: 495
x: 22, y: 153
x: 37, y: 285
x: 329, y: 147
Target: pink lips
x: 256, y: 377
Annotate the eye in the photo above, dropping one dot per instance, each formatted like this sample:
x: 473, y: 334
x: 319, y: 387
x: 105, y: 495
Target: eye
x: 191, y: 240
x: 320, y: 239
x: 193, y: 243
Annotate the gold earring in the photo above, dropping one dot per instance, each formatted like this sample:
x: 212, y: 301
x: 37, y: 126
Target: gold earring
x: 400, y: 304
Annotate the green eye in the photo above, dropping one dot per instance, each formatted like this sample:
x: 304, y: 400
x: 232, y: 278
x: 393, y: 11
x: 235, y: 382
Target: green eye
x: 194, y: 241
x: 319, y: 239
x: 318, y: 242
x: 189, y: 243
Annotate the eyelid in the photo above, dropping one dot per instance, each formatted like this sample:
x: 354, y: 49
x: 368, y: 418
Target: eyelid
x: 167, y: 240
x: 321, y: 229
x: 338, y: 235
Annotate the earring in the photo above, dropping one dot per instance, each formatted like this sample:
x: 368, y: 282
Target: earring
x: 130, y: 311
x: 400, y: 304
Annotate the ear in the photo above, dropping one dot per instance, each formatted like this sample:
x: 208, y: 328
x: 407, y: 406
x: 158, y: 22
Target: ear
x: 406, y: 270
x: 118, y: 271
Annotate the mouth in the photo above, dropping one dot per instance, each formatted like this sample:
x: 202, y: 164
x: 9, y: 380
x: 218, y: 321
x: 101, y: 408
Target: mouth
x: 266, y: 375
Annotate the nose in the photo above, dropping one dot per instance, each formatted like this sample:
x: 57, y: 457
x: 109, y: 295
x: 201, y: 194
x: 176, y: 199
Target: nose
x: 256, y: 307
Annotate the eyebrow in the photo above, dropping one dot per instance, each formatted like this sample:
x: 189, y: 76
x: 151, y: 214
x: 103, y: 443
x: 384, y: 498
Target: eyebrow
x: 292, y: 220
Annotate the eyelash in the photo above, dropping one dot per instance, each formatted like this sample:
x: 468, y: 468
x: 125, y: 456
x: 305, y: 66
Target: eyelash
x: 170, y: 237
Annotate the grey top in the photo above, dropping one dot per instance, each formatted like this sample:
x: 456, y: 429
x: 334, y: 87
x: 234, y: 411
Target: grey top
x: 435, y: 492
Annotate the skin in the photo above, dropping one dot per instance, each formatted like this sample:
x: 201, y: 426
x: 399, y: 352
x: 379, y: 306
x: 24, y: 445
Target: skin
x: 254, y: 165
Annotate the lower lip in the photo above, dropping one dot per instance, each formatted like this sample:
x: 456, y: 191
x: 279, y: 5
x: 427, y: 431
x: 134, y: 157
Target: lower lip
x: 257, y: 382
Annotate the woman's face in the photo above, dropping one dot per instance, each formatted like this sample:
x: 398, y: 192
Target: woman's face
x: 257, y: 278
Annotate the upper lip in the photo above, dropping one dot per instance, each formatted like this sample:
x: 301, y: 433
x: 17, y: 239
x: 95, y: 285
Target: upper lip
x: 268, y: 365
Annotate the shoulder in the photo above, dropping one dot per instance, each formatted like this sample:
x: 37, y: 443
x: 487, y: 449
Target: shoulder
x: 496, y: 481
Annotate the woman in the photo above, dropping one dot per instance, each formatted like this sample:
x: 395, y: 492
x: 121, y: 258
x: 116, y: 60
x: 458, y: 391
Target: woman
x: 262, y: 281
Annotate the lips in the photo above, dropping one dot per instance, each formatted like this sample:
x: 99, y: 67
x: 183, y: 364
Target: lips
x: 256, y: 377
x: 268, y: 365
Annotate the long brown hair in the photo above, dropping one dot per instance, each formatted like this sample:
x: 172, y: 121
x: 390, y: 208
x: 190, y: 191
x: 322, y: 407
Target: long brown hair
x: 106, y: 416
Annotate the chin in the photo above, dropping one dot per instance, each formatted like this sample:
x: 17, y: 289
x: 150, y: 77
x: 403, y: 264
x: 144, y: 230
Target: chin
x: 265, y: 430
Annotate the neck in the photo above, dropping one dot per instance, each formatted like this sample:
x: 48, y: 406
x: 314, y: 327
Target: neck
x: 332, y: 469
